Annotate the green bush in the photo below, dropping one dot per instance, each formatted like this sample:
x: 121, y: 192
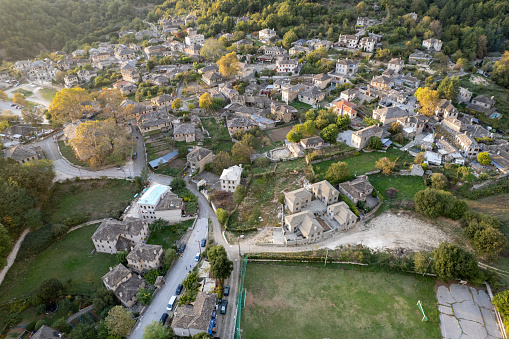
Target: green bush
x: 39, y: 324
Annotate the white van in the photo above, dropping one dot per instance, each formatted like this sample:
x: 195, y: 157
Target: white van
x: 171, y: 303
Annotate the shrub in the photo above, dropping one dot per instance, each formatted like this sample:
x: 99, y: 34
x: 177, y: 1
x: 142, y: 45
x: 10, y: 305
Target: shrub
x: 39, y: 309
x: 452, y: 262
x: 57, y: 230
x: 39, y: 324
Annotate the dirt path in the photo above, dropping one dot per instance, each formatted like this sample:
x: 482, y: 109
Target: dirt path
x: 12, y: 256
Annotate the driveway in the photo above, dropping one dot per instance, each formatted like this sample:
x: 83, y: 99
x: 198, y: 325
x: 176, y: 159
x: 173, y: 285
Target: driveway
x: 175, y: 276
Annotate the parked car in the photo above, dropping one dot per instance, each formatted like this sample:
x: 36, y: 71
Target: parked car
x: 179, y: 289
x: 135, y: 155
x: 389, y: 104
x: 163, y: 318
x: 197, y: 258
x: 203, y: 242
x: 226, y: 291
x: 214, y: 314
x: 182, y: 248
x: 224, y: 304
x: 171, y: 302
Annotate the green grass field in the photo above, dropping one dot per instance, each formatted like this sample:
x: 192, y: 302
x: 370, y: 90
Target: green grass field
x: 48, y: 93
x: 219, y: 137
x: 308, y: 302
x: 94, y: 199
x: 298, y: 105
x: 68, y: 153
x: 168, y: 236
x: 406, y: 185
x: 23, y: 91
x: 68, y: 259
x: 364, y: 162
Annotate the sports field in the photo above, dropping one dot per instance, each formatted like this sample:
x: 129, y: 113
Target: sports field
x: 313, y: 302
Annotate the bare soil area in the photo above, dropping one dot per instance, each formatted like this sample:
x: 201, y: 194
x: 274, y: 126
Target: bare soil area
x: 280, y: 133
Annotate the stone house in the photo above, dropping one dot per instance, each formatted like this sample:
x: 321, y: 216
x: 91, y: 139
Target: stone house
x: 184, y: 132
x: 500, y: 159
x: 347, y: 67
x: 381, y: 83
x: 432, y: 44
x: 341, y: 213
x: 347, y: 95
x: 312, y: 96
x: 211, y: 78
x: 367, y: 44
x: 266, y: 34
x: 348, y: 41
x: 360, y: 138
x: 240, y: 124
x: 445, y: 109
x: 144, y: 257
x: 325, y: 192
x: 198, y: 158
x: 159, y: 202
x: 387, y: 115
x: 412, y: 125
x: 46, y: 332
x: 283, y: 112
x: 313, y: 142
x: 114, y: 236
x: 481, y: 104
x: 469, y: 147
x: 71, y: 81
x: 154, y: 121
x: 194, y: 319
x: 396, y: 65
x: 163, y: 100
x: 305, y: 224
x: 230, y: 178
x: 195, y: 39
x: 321, y: 81
x: 296, y: 200
x: 358, y: 189
x: 464, y: 95
x: 287, y: 65
x: 130, y: 74
x: 24, y: 153
x: 290, y: 92
x: 124, y: 284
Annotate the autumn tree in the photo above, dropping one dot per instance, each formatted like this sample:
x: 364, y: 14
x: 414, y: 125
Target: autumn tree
x: 206, y: 101
x: 221, y: 161
x: 343, y: 121
x: 67, y: 105
x: 338, y: 171
x: 484, y: 158
x: 228, y: 65
x: 3, y: 95
x: 428, y: 99
x: 385, y: 165
x: 222, y: 216
x: 419, y: 158
x: 102, y: 142
x: 19, y: 99
x: 294, y: 136
x: 119, y: 321
x: 177, y: 104
x: 241, y: 153
x: 438, y: 181
x: 309, y: 127
x: 32, y: 115
x: 288, y: 38
x: 212, y: 49
x: 448, y: 88
x: 395, y: 128
x: 500, y: 72
x: 111, y: 101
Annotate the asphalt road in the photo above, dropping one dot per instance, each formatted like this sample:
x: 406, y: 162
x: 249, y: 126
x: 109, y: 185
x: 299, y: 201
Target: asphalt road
x: 174, y: 277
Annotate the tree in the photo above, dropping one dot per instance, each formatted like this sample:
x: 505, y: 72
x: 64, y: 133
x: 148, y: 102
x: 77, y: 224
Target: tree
x: 83, y: 331
x: 428, y: 99
x: 448, y: 88
x: 343, y: 121
x: 61, y: 325
x: 500, y: 72
x: 309, y: 127
x: 5, y: 241
x: 241, y: 153
x: 386, y: 165
x: 119, y: 321
x: 177, y: 104
x: 375, y: 143
x: 3, y: 95
x: 395, y: 128
x: 501, y: 303
x: 239, y: 194
x: 212, y: 49
x: 102, y: 142
x: 32, y: 115
x: 484, y: 158
x: 420, y: 262
x: 220, y: 266
x: 103, y: 299
x: 156, y: 330
x: 337, y: 172
x: 228, y: 65
x: 178, y: 185
x: 452, y: 262
x: 222, y: 215
x: 145, y: 295
x: 434, y: 203
x: 288, y: 38
x: 330, y: 133
x: 489, y: 242
x: 221, y: 161
x: 294, y: 136
x: 50, y: 289
x: 67, y: 105
x: 170, y: 254
x: 419, y: 158
x: 19, y: 99
x: 206, y: 101
x: 438, y: 181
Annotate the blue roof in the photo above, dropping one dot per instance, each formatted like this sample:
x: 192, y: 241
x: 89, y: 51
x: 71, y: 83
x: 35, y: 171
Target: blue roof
x: 152, y: 195
x: 163, y: 159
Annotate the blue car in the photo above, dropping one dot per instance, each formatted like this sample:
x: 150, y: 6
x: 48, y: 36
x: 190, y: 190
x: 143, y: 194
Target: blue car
x: 203, y: 242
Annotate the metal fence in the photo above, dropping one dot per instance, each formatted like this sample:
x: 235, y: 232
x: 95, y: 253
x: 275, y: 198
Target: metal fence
x: 241, y: 296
